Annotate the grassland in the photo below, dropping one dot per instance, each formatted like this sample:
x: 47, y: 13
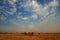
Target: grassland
x: 29, y: 36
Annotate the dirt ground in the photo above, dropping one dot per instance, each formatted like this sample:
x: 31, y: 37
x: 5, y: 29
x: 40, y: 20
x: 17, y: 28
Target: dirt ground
x: 40, y: 36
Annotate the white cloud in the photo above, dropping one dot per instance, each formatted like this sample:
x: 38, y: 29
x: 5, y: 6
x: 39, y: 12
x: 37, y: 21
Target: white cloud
x: 47, y: 25
x: 53, y: 3
x: 34, y: 16
x: 45, y: 10
x: 25, y: 18
x: 34, y: 7
x: 12, y: 1
x: 11, y: 10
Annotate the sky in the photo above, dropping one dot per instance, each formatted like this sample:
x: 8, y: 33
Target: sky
x: 30, y: 16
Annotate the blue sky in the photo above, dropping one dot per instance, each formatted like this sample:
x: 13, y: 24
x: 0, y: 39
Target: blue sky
x: 30, y: 15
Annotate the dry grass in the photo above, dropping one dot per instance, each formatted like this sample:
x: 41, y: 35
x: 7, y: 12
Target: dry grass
x: 41, y: 36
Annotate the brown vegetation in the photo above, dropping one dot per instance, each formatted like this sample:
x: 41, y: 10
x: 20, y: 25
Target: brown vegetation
x: 30, y: 36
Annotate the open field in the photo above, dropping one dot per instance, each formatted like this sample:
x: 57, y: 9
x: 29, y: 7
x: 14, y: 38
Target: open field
x: 40, y: 36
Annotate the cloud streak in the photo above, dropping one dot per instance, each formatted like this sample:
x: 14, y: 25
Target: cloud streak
x: 34, y: 7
